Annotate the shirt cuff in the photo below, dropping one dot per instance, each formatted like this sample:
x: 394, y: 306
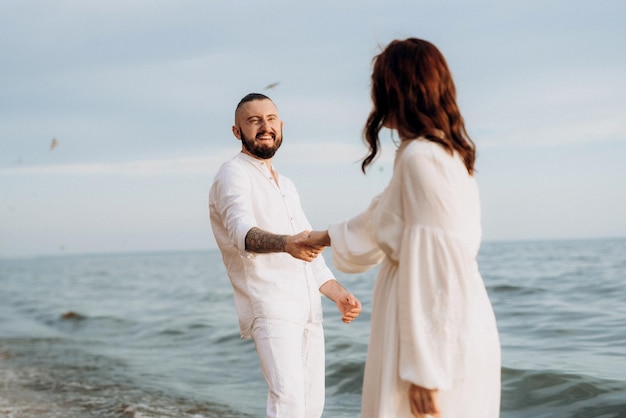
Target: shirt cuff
x: 242, y: 231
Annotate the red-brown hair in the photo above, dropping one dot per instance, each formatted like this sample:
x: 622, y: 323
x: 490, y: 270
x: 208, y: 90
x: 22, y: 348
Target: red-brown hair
x: 413, y: 90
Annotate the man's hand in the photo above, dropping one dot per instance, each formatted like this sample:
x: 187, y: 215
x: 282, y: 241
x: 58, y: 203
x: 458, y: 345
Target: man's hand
x: 298, y: 246
x: 349, y: 306
x: 423, y: 401
x: 347, y: 303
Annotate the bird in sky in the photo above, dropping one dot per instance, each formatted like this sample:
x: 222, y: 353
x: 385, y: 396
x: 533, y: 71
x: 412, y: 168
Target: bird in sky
x: 272, y: 85
x: 53, y: 144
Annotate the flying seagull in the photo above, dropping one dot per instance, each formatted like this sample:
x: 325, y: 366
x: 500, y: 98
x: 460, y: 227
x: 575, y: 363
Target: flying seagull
x: 272, y: 85
x: 53, y: 144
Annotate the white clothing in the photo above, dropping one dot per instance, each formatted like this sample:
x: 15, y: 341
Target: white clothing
x: 292, y: 361
x: 276, y: 285
x: 432, y: 321
x: 277, y: 296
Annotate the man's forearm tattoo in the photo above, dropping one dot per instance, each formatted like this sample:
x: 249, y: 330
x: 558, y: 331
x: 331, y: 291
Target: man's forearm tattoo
x: 259, y: 241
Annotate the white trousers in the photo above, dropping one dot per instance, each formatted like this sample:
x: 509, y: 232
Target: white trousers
x: 293, y: 364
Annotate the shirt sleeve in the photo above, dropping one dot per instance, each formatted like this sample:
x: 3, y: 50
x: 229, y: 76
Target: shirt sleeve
x: 353, y: 247
x: 321, y: 271
x: 231, y: 197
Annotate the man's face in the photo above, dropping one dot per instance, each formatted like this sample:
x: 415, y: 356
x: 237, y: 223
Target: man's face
x: 258, y: 127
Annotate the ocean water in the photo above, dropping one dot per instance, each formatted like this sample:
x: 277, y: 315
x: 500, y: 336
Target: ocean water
x: 156, y: 335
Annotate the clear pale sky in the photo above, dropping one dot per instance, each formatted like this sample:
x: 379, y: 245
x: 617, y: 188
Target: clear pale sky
x: 139, y: 96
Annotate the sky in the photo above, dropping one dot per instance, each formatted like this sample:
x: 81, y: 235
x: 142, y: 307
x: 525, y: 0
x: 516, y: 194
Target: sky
x: 139, y: 96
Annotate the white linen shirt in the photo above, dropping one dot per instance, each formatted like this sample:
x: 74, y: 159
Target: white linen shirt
x: 275, y: 285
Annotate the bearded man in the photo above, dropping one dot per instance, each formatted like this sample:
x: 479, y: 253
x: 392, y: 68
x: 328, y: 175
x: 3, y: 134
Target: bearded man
x: 277, y: 280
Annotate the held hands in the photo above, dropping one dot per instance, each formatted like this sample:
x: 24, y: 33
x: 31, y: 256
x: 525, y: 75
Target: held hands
x: 424, y: 402
x: 319, y: 238
x: 307, y: 245
x: 299, y: 246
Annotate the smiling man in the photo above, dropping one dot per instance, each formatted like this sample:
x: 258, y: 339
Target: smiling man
x: 258, y: 127
x: 277, y: 280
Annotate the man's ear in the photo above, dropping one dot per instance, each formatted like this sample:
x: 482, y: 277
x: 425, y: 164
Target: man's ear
x: 236, y: 132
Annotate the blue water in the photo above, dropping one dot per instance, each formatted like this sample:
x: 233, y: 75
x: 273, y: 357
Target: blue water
x: 156, y: 335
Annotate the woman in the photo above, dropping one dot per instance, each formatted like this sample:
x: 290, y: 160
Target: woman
x: 434, y: 348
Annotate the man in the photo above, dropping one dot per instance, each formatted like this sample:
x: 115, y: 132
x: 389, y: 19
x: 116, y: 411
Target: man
x: 258, y: 224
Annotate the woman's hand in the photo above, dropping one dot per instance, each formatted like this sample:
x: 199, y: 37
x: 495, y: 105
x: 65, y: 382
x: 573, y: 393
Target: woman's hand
x: 317, y: 238
x: 423, y: 401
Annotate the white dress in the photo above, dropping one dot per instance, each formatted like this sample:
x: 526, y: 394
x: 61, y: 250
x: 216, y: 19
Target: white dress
x: 432, y: 321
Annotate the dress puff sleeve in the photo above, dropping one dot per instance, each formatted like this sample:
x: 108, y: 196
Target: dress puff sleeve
x: 435, y: 271
x: 352, y: 242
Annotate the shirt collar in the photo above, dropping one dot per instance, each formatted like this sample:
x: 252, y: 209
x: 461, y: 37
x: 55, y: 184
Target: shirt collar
x: 260, y: 164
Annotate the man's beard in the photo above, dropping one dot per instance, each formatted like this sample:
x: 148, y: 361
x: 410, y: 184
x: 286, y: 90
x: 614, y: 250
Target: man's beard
x: 261, y: 151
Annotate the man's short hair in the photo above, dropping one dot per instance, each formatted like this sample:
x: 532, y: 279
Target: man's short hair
x: 251, y: 97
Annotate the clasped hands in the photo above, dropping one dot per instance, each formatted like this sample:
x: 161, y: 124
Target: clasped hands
x: 307, y: 245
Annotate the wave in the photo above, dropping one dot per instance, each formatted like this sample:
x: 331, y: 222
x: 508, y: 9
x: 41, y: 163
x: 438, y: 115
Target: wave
x: 550, y: 393
x: 515, y: 290
x: 47, y: 377
x: 345, y: 377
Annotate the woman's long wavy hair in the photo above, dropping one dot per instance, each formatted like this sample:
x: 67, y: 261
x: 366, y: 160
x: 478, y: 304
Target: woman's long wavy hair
x: 413, y: 92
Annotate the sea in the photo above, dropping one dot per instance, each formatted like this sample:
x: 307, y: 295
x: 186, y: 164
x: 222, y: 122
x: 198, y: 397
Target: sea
x: 156, y: 335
